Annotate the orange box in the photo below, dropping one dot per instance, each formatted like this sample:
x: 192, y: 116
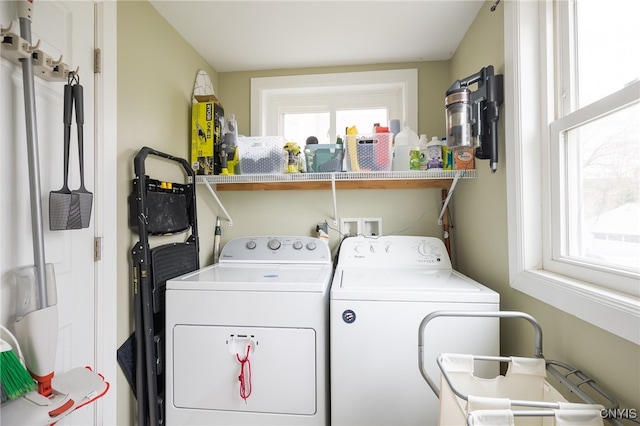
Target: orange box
x: 464, y: 158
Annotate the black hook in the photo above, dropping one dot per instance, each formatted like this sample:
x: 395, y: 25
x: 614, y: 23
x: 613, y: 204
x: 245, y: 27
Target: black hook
x: 73, y: 77
x: 493, y: 8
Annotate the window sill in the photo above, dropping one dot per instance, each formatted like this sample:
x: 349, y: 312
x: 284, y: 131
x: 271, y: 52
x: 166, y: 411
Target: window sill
x: 612, y: 311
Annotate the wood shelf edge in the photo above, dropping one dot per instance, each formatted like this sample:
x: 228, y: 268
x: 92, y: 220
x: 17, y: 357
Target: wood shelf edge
x: 340, y: 184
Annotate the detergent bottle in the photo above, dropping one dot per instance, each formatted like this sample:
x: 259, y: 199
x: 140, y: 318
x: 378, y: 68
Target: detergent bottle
x: 422, y: 155
x: 434, y: 154
x: 405, y: 142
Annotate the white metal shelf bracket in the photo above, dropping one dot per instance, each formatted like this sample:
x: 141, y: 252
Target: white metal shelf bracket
x: 455, y: 175
x: 450, y: 193
x: 215, y: 197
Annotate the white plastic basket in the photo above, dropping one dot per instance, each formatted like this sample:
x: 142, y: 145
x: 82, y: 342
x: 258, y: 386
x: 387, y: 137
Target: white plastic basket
x: 261, y: 154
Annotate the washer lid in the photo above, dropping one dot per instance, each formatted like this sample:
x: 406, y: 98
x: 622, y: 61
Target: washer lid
x: 256, y: 277
x: 414, y: 284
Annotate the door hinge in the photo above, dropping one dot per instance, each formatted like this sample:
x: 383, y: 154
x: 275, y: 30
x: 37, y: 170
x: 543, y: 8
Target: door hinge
x: 97, y: 249
x: 97, y: 61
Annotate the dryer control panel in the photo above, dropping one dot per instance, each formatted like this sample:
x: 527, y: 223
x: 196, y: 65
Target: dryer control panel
x: 276, y: 249
x: 395, y: 250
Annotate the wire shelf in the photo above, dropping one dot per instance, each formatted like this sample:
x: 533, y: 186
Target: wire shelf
x: 338, y: 176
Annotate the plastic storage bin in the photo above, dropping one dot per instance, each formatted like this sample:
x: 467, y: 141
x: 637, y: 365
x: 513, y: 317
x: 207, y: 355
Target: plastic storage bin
x: 368, y: 152
x: 324, y: 158
x: 261, y: 154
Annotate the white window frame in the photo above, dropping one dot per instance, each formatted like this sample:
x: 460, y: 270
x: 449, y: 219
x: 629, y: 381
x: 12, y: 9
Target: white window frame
x: 529, y: 78
x: 273, y: 96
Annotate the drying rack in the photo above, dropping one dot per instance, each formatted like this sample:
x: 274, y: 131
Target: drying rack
x: 573, y: 379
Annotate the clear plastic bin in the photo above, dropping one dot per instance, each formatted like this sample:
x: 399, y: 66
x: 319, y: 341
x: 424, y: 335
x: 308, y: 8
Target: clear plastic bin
x: 368, y: 152
x: 261, y: 154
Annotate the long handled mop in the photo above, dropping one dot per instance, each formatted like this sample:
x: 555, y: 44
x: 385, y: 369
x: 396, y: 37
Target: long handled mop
x: 38, y: 329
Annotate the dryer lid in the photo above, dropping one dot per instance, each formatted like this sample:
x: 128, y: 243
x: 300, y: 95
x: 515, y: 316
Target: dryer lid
x: 411, y: 284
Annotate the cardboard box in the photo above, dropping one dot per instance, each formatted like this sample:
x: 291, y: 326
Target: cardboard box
x: 464, y: 158
x: 207, y: 116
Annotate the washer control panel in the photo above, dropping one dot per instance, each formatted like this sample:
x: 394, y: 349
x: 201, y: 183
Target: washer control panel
x: 276, y: 249
x: 394, y: 250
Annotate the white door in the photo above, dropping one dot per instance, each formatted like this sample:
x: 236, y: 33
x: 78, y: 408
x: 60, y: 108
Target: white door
x: 65, y: 30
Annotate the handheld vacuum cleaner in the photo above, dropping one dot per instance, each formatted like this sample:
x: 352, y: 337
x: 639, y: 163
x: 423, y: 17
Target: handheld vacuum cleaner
x: 472, y: 117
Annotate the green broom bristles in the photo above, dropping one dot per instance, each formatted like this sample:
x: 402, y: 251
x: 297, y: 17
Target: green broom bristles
x: 15, y: 380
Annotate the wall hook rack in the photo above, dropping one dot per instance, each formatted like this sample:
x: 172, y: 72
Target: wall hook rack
x: 4, y: 30
x: 16, y: 48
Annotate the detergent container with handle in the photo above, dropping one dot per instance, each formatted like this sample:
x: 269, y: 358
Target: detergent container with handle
x: 405, y: 142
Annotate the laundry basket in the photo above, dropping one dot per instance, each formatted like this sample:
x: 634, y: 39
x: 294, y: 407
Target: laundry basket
x: 523, y: 392
x: 523, y: 396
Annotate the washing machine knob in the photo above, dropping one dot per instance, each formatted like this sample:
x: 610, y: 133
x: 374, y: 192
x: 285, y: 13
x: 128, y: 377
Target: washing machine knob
x: 424, y: 249
x: 274, y: 244
x: 250, y: 245
x: 311, y: 245
x: 297, y: 245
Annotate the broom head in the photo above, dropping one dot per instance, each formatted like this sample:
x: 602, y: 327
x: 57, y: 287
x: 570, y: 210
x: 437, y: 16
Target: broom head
x: 15, y: 380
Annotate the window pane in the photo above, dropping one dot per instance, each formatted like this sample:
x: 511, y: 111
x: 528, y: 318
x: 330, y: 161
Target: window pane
x: 608, y: 44
x: 363, y: 119
x: 603, y: 190
x: 298, y: 127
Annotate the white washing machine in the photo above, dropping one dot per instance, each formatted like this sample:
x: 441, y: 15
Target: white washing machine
x: 247, y: 338
x: 382, y: 289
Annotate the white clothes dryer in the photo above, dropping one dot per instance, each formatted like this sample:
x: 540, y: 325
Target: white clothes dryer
x: 381, y: 290
x: 247, y: 337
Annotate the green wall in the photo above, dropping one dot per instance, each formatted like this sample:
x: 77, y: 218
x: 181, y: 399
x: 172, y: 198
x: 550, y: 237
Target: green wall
x: 156, y: 69
x: 298, y: 212
x: 480, y: 244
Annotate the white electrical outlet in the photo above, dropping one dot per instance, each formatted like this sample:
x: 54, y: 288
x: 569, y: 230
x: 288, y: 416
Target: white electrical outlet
x: 369, y: 227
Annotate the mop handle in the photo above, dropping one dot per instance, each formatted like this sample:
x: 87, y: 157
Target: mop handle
x: 34, y: 161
